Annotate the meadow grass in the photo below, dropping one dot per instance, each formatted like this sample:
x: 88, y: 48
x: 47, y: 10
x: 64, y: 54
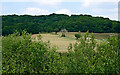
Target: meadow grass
x: 62, y: 43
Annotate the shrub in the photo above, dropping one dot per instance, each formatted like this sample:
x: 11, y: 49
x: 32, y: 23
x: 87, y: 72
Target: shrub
x: 56, y: 30
x: 63, y: 35
x: 22, y: 55
x: 53, y: 62
x: 107, y: 57
x: 77, y: 36
x: 84, y: 59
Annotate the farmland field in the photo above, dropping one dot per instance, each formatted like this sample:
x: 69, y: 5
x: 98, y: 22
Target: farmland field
x: 62, y: 43
x: 51, y: 41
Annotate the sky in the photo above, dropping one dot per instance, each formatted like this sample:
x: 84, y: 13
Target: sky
x: 104, y: 8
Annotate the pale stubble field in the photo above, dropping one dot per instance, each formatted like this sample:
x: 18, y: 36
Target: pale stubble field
x: 62, y: 43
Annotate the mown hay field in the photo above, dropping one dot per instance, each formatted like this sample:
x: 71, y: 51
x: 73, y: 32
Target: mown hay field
x: 62, y: 43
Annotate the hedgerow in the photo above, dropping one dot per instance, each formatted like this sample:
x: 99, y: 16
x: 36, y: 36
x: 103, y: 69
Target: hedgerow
x: 90, y: 57
x: 22, y: 55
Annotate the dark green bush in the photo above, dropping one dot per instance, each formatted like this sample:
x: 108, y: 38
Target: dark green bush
x: 63, y: 35
x: 77, y: 36
x: 56, y: 30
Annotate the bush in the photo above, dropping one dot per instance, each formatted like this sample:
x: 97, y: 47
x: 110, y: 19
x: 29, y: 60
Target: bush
x: 22, y: 55
x: 53, y: 62
x: 77, y: 36
x: 84, y: 58
x: 56, y: 30
x: 63, y: 35
x: 108, y: 57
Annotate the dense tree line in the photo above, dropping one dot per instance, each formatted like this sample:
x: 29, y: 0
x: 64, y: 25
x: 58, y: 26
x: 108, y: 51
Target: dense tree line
x: 48, y: 23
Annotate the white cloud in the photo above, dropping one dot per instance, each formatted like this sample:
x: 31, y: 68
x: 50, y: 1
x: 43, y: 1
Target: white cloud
x: 76, y: 13
x: 36, y: 11
x: 86, y: 3
x: 113, y: 16
x: 0, y: 10
x: 49, y: 2
x: 110, y: 16
x: 115, y: 10
x: 63, y: 11
x: 110, y: 13
x: 41, y: 2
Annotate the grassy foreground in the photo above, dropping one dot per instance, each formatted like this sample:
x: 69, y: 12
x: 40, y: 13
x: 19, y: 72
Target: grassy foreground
x: 20, y: 54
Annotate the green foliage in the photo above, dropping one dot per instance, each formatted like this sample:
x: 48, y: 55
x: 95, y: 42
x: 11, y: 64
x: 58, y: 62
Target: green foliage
x: 70, y: 47
x: 53, y: 22
x: 53, y: 62
x: 63, y: 35
x: 22, y: 55
x: 56, y: 30
x: 81, y: 59
x: 108, y: 56
x: 77, y: 36
x: 39, y: 36
x: 85, y: 59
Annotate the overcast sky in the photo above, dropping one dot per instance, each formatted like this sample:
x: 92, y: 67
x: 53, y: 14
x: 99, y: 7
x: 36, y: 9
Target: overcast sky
x: 104, y: 8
